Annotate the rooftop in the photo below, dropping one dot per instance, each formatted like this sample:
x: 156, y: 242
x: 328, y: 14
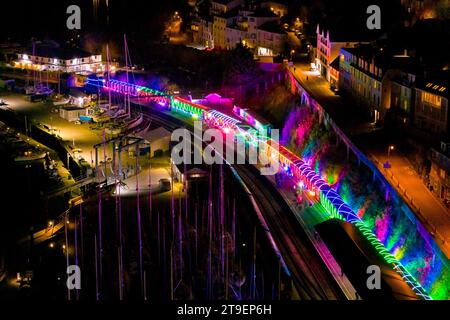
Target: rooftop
x: 272, y: 27
x: 263, y: 13
x: 230, y: 13
x: 335, y: 63
x: 370, y: 53
x: 57, y: 52
x: 155, y: 134
x: 437, y: 83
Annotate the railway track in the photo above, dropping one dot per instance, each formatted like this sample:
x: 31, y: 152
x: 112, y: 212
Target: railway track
x: 310, y: 275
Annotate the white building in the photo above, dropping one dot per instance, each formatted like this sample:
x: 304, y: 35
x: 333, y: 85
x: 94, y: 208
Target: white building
x: 256, y: 29
x: 329, y: 44
x: 58, y: 59
x: 271, y: 39
x: 72, y: 113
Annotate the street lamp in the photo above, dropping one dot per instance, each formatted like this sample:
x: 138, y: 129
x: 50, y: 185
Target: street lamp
x: 390, y: 148
x: 387, y: 165
x: 292, y: 53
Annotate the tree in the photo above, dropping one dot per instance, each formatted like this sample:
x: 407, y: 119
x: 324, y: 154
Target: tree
x: 238, y: 64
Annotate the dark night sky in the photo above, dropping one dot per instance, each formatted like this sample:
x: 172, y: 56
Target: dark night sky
x: 143, y: 20
x: 48, y: 17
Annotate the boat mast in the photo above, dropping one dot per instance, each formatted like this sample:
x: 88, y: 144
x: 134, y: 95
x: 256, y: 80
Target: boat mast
x: 108, y: 75
x: 34, y: 68
x: 127, y: 93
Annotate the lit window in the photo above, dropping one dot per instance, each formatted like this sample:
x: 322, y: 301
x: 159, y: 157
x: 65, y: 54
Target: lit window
x: 432, y: 99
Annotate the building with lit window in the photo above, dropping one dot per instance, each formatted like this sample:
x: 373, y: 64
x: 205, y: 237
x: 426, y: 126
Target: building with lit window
x: 257, y: 29
x: 223, y: 6
x: 403, y: 94
x: 379, y: 81
x: 425, y: 9
x: 431, y: 112
x: 329, y: 44
x: 439, y: 177
x: 334, y: 73
x: 219, y: 28
x: 361, y: 74
x: 46, y: 58
x: 202, y: 31
x: 271, y: 39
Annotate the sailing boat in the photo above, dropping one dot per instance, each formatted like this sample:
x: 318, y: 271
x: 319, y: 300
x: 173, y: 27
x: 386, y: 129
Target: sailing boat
x: 38, y: 87
x: 124, y: 113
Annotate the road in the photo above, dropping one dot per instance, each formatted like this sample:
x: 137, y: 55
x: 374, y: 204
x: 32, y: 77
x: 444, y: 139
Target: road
x: 403, y: 177
x: 334, y: 104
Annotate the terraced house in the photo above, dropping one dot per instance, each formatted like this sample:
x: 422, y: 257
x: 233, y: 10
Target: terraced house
x: 361, y: 74
x: 231, y: 23
x: 431, y: 112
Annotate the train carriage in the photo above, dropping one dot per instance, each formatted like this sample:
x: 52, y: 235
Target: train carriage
x: 195, y: 110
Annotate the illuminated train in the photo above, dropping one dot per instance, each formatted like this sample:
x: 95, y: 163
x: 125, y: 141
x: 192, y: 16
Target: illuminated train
x: 195, y: 110
x: 212, y: 117
x: 290, y: 162
x: 303, y: 172
x: 337, y: 208
x: 253, y: 120
x: 123, y: 87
